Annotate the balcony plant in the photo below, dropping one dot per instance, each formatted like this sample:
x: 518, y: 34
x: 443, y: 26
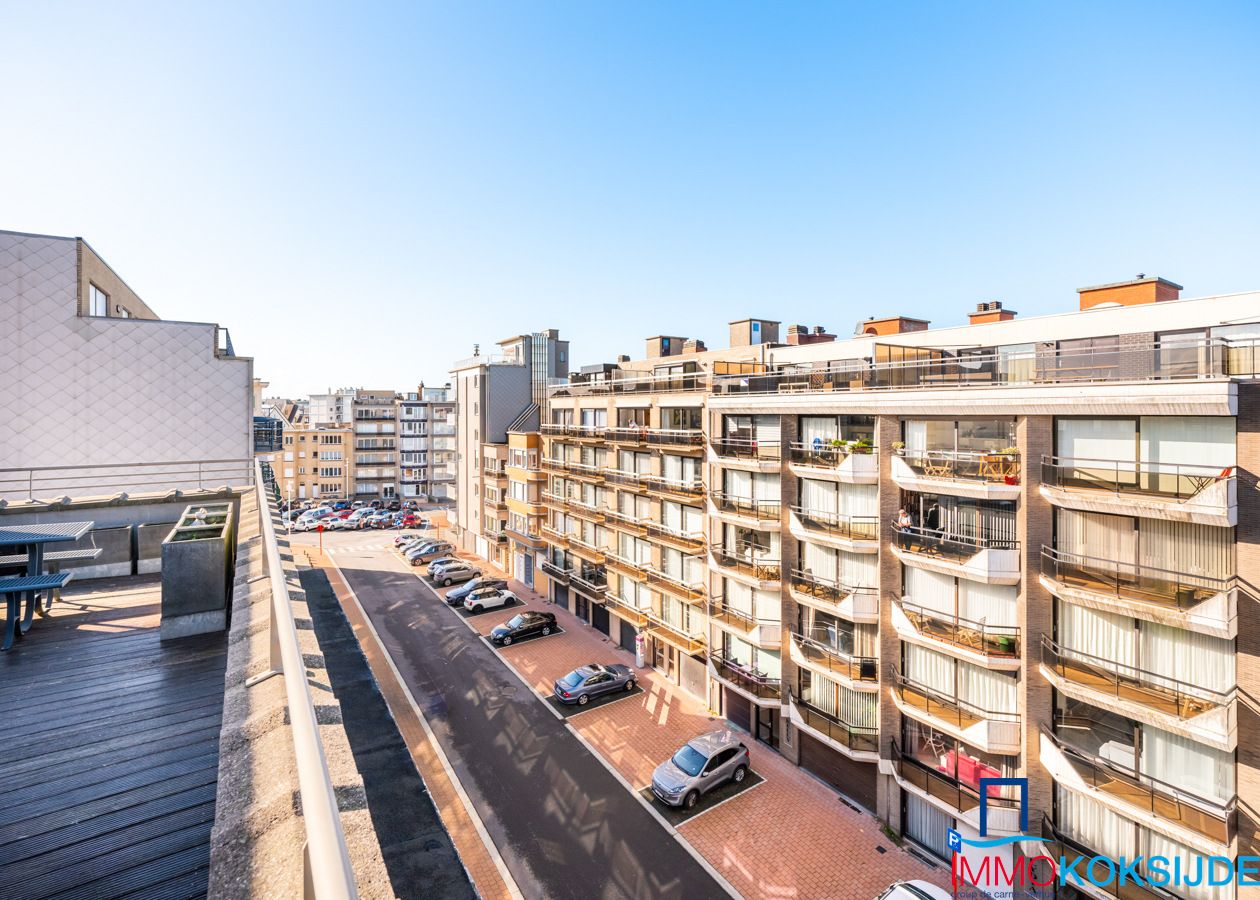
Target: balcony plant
x: 898, y: 446
x: 861, y: 445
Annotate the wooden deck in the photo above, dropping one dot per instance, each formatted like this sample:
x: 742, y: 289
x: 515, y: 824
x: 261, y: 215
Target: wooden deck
x: 109, y: 750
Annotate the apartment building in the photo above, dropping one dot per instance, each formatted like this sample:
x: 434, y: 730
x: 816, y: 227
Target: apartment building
x: 425, y: 442
x: 910, y: 560
x: 75, y: 332
x: 375, y: 444
x: 497, y: 394
x: 332, y: 408
x: 526, y: 515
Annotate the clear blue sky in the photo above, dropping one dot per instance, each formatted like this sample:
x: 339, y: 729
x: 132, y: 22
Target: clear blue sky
x: 361, y: 193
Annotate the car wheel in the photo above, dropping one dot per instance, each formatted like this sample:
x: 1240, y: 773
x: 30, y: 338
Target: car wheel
x: 546, y: 631
x: 740, y: 773
x: 630, y: 685
x: 447, y: 583
x: 583, y: 700
x: 507, y: 639
x: 691, y: 799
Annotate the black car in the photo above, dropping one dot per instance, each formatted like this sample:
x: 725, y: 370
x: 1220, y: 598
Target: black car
x: 526, y: 624
x: 394, y: 505
x: 460, y: 594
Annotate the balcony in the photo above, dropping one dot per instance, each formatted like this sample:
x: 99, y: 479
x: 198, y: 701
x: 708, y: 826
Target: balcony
x: 859, y: 534
x: 623, y: 565
x: 630, y: 613
x: 958, y: 795
x: 493, y: 472
x: 626, y: 522
x: 991, y: 560
x: 1186, y: 709
x: 590, y: 580
x: 821, y: 653
x: 674, y: 488
x: 746, y: 680
x: 686, y: 382
x: 533, y: 541
x: 580, y: 432
x: 687, y: 542
x: 759, y: 456
x: 763, y: 633
x: 675, y: 634
x: 764, y: 512
x: 585, y: 550
x: 993, y: 646
x: 1207, y: 495
x: 847, y: 463
x: 589, y: 511
x: 556, y: 573
x: 980, y: 475
x: 854, y: 741
x: 555, y: 501
x: 988, y: 730
x: 574, y: 469
x: 632, y: 480
x: 1137, y: 795
x: 675, y: 584
x: 667, y: 438
x: 857, y: 604
x: 555, y: 536
x: 1197, y: 602
x: 763, y: 570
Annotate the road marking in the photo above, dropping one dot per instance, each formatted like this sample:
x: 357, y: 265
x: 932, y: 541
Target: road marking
x: 464, y: 799
x: 763, y: 780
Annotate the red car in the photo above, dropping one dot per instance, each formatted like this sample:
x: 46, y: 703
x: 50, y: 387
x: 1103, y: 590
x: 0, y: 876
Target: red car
x: 411, y: 521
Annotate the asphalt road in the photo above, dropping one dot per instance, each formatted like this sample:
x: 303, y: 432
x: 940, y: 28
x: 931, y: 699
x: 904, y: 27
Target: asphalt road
x: 565, y: 827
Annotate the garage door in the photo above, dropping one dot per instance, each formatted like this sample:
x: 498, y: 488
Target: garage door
x: 599, y: 617
x: 627, y: 636
x: 738, y: 709
x: 562, y: 596
x: 853, y: 779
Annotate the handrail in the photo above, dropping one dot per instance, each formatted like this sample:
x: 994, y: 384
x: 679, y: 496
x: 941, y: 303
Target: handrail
x: 112, y: 478
x: 326, y: 859
x: 826, y: 456
x: 746, y: 448
x: 859, y: 738
x: 857, y: 668
x: 758, y: 508
x: 763, y: 568
x: 942, y: 785
x: 954, y: 704
x: 833, y: 590
x: 1132, y: 579
x: 936, y: 541
x: 856, y: 528
x: 1180, y: 481
x: 994, y: 466
x: 991, y: 640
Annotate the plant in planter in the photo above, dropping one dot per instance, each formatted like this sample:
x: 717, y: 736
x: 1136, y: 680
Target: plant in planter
x: 861, y: 445
x: 898, y: 446
x: 1009, y: 451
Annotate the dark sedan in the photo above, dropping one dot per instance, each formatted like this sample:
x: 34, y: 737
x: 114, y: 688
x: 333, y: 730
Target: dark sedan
x: 593, y: 680
x: 460, y: 594
x: 521, y: 625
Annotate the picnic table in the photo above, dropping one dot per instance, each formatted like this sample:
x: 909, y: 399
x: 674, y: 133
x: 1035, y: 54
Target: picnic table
x: 31, y: 540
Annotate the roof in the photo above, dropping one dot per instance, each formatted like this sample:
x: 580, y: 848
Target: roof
x: 1130, y: 283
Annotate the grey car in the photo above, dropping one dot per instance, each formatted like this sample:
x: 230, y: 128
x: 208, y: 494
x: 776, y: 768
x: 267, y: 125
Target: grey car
x: 702, y: 764
x: 428, y: 553
x: 453, y: 572
x: 593, y: 680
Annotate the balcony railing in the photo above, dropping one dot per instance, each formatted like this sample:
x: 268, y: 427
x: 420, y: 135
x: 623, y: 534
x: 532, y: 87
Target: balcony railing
x: 574, y: 431
x: 952, y: 710
x: 657, y: 437
x: 1152, y: 796
x: 1001, y: 467
x: 634, y: 480
x: 627, y: 611
x: 580, y: 545
x: 492, y: 472
x: 746, y: 678
x: 943, y: 786
x: 820, y: 648
x: 1131, y: 684
x: 764, y: 510
x: 745, y: 448
x: 1131, y: 581
x: 626, y: 566
x: 555, y: 535
x: 591, y: 511
x: 592, y: 579
x: 1174, y: 481
x: 826, y: 455
x: 652, y: 384
x: 763, y: 568
x: 838, y: 525
x: 556, y: 572
x: 855, y: 737
x: 834, y: 592
x: 991, y: 640
x: 674, y: 487
x: 1061, y: 847
x: 952, y: 546
x: 720, y: 611
x: 626, y: 521
x: 559, y: 501
x: 674, y: 633
x: 675, y: 583
x: 688, y: 542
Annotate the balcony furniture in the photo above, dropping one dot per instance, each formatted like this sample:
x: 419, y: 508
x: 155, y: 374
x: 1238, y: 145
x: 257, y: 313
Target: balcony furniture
x: 29, y: 586
x: 31, y: 540
x: 935, y: 467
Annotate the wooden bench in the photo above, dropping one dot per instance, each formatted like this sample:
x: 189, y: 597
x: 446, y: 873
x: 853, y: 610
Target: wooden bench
x: 18, y: 623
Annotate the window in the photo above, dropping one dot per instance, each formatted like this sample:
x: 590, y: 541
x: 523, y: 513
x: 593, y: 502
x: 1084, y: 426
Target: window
x: 98, y: 301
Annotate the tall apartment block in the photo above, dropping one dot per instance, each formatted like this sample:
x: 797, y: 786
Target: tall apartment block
x: 426, y: 439
x: 497, y: 394
x: 917, y: 558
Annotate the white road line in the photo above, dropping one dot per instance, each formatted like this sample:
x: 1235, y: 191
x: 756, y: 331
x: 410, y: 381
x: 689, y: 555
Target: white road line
x: 729, y: 799
x: 464, y: 799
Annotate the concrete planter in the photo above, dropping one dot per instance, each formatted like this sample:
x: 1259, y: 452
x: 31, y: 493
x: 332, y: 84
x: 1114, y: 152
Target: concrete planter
x: 198, y: 558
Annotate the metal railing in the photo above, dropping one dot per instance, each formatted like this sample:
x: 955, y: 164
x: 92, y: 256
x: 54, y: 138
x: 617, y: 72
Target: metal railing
x: 54, y: 482
x: 746, y: 448
x: 692, y: 542
x: 759, y: 684
x: 766, y: 510
x: 556, y: 429
x: 675, y: 583
x: 991, y: 640
x: 1061, y: 847
x: 943, y: 786
x: 628, y: 611
x: 859, y: 738
x: 961, y: 465
x: 688, y: 438
x: 652, y: 384
x: 834, y: 592
x: 834, y: 658
x: 853, y: 528
x: 952, y: 709
x: 826, y: 455
x: 953, y: 546
x: 1172, y: 480
x: 625, y: 565
x: 1130, y: 683
x: 659, y: 484
x: 1131, y: 580
x: 763, y: 568
x: 592, y: 579
x: 326, y: 859
x: 558, y: 573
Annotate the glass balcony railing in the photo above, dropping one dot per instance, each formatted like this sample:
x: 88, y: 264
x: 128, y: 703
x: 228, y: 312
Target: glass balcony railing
x: 999, y: 641
x: 826, y: 649
x: 591, y: 579
x: 1172, y: 481
x: 557, y: 572
x: 855, y: 737
x: 943, y: 786
x: 675, y: 583
x: 633, y: 480
x: 625, y: 521
x: 763, y: 568
x: 832, y: 591
x: 952, y: 710
x: 650, y: 384
x: 688, y: 542
x: 634, y: 614
x: 1131, y: 581
x: 687, y: 438
x: 838, y: 525
x: 1076, y: 856
x: 765, y: 510
x: 1131, y: 684
x: 744, y: 676
x: 998, y: 467
x: 624, y: 565
x: 826, y: 455
x: 574, y: 431
x: 746, y: 449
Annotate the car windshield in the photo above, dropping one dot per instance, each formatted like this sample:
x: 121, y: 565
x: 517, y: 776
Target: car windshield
x: 690, y: 760
x: 516, y: 621
x: 573, y: 679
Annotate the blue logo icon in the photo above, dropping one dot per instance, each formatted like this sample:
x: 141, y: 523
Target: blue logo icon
x: 955, y: 841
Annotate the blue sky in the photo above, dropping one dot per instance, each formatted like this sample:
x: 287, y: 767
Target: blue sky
x: 362, y: 192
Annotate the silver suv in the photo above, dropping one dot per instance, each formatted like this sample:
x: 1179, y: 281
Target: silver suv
x: 703, y: 763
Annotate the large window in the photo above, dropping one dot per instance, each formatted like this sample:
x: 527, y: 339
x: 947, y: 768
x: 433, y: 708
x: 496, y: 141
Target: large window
x: 98, y: 301
x: 680, y: 418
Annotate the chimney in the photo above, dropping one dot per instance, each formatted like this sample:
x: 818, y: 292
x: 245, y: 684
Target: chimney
x: 750, y: 332
x: 801, y: 334
x: 664, y: 345
x: 694, y: 345
x: 891, y: 325
x: 991, y: 311
x: 1139, y: 291
x: 623, y: 358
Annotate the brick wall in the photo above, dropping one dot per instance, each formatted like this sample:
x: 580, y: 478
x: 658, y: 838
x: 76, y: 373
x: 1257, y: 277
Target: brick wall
x: 887, y: 431
x: 1248, y: 564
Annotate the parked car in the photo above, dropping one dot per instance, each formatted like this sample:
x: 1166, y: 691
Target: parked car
x: 416, y: 546
x: 358, y: 504
x: 411, y: 504
x: 699, y: 766
x: 593, y: 680
x: 441, y: 562
x: 379, y: 520
x: 394, y: 505
x: 333, y: 523
x: 521, y: 625
x: 455, y: 572
x: 481, y: 600
x: 914, y: 890
x: 485, y: 582
x: 341, y: 504
x: 430, y: 552
x: 411, y: 520
x: 406, y: 538
x: 377, y: 504
x: 305, y: 524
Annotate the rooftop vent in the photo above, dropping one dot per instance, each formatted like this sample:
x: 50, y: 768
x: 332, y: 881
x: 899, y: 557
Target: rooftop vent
x: 891, y: 325
x: 991, y: 311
